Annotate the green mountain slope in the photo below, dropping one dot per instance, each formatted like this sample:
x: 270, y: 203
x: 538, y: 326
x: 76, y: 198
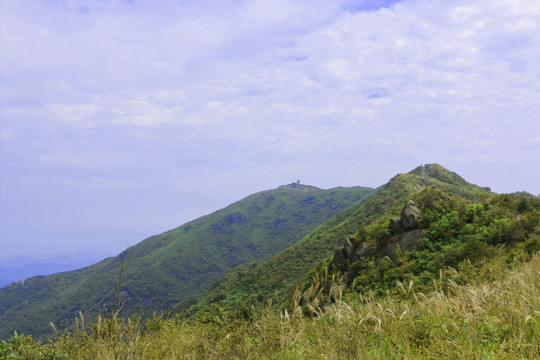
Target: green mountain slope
x: 295, y: 266
x: 435, y: 268
x: 494, y: 317
x: 168, y: 268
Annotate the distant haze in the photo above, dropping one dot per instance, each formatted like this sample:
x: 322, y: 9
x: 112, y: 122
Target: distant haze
x: 122, y: 119
x: 19, y: 267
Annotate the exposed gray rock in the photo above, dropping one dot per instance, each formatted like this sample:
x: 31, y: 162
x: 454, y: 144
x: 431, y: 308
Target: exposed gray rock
x: 389, y: 250
x: 351, y: 251
x: 395, y: 226
x: 361, y: 250
x: 339, y: 260
x: 404, y: 234
x: 348, y: 247
x: 410, y: 214
x: 235, y: 217
x: 404, y: 231
x: 408, y: 240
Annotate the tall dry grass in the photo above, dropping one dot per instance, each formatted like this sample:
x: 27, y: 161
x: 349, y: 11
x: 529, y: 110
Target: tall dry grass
x: 486, y: 320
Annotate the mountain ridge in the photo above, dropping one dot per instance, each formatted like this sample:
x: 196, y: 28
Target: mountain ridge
x: 244, y: 284
x: 423, y: 266
x: 233, y: 278
x: 166, y: 268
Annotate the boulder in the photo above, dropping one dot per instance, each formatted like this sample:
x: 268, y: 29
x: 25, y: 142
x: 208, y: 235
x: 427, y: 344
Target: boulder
x: 404, y: 234
x: 408, y: 240
x: 395, y: 226
x: 361, y: 250
x: 339, y: 259
x: 389, y: 250
x: 351, y: 251
x: 410, y: 214
x: 348, y: 247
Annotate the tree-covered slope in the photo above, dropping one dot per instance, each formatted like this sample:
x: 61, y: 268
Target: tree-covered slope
x: 494, y: 316
x: 168, y: 268
x: 437, y: 237
x: 428, y: 266
x: 283, y: 272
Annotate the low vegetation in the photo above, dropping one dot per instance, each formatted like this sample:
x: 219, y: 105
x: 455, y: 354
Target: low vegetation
x: 469, y: 288
x: 482, y: 319
x: 169, y: 268
x: 296, y: 265
x: 458, y: 235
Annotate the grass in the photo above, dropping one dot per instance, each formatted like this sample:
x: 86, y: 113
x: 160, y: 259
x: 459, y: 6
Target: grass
x: 469, y: 290
x: 284, y: 271
x: 172, y: 267
x: 486, y: 319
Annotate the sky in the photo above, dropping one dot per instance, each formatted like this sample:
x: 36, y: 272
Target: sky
x: 123, y: 119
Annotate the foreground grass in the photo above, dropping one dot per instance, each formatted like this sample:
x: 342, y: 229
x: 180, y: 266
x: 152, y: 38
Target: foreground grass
x: 485, y: 320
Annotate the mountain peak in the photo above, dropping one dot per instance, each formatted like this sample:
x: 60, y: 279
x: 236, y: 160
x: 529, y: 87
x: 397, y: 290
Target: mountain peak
x: 438, y: 172
x: 179, y: 263
x: 298, y: 185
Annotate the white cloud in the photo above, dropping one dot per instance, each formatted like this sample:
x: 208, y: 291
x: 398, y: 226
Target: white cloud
x: 266, y: 85
x: 74, y: 160
x: 75, y: 112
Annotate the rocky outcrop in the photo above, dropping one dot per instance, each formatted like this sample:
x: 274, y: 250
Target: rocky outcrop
x: 404, y: 231
x: 351, y: 252
x: 234, y: 218
x: 404, y: 234
x: 409, y: 239
x: 340, y: 260
x: 361, y: 250
x: 389, y: 249
x: 395, y: 226
x: 410, y: 214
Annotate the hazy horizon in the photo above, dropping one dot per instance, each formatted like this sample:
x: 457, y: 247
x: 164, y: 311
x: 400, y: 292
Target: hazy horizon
x: 124, y: 119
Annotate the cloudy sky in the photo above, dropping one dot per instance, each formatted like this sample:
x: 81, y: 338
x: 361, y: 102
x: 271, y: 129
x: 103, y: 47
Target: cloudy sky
x: 122, y: 119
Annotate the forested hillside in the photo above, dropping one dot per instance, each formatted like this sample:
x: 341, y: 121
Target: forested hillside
x: 429, y: 266
x: 166, y: 269
x: 295, y: 265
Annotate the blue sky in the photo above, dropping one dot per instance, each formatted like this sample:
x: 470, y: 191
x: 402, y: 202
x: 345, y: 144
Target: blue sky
x: 123, y: 119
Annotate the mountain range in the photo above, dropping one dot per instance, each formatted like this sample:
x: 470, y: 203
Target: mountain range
x: 273, y: 244
x: 171, y: 267
x: 296, y: 265
x: 17, y: 268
